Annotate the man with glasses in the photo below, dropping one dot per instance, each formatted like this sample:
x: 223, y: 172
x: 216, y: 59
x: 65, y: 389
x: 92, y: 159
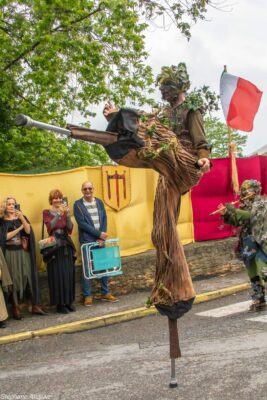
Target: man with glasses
x: 91, y: 217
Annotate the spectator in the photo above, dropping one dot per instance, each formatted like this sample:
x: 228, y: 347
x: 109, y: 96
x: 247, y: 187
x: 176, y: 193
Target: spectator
x: 60, y: 267
x: 18, y: 244
x: 90, y: 215
x: 5, y: 283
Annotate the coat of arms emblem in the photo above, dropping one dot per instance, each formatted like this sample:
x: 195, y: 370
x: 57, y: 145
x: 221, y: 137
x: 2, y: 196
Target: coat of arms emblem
x: 116, y: 186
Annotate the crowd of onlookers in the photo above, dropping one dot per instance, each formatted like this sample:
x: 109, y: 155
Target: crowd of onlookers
x: 18, y: 269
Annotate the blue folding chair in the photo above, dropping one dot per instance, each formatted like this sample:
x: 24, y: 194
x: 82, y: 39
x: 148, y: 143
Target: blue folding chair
x: 101, y: 261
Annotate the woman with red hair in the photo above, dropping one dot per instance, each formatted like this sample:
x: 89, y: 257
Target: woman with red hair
x: 60, y: 265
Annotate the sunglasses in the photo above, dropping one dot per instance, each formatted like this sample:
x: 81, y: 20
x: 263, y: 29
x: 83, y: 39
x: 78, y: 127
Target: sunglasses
x: 88, y: 188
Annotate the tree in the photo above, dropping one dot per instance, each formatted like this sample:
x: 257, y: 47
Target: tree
x: 63, y: 55
x: 217, y: 134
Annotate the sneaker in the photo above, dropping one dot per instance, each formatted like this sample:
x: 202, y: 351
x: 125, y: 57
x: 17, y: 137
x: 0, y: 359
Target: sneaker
x: 109, y: 297
x: 88, y: 301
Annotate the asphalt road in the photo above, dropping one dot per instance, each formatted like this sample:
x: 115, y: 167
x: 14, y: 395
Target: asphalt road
x: 224, y: 356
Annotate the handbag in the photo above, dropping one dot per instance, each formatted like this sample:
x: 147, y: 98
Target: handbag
x: 48, y: 246
x: 47, y: 243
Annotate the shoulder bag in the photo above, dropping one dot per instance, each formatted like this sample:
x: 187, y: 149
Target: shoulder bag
x: 48, y: 246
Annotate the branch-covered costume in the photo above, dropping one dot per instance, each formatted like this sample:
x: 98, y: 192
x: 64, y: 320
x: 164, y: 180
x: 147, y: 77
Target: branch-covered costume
x: 140, y: 140
x: 187, y: 124
x: 251, y: 218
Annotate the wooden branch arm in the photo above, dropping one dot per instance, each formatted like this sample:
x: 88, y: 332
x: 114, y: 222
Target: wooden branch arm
x: 92, y: 135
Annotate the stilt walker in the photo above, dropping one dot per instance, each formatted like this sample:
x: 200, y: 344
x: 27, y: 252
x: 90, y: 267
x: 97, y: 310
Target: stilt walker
x: 173, y: 143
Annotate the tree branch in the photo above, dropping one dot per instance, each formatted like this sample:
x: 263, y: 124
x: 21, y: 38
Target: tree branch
x: 56, y: 30
x: 5, y: 30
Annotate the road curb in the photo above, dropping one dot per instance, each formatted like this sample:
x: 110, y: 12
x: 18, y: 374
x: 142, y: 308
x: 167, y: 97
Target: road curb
x: 115, y: 318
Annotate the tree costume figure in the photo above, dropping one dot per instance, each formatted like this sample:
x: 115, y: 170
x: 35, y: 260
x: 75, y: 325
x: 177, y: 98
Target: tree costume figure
x: 251, y: 218
x: 172, y: 142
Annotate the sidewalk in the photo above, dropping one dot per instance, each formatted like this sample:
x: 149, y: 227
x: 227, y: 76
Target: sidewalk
x: 130, y: 306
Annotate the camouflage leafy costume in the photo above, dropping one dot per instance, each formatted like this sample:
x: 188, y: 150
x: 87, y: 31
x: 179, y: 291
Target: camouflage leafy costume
x: 251, y: 218
x: 185, y: 120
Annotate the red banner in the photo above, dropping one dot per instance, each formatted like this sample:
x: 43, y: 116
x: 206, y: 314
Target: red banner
x: 215, y: 188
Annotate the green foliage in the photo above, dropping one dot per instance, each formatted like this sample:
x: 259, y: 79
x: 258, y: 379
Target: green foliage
x: 204, y: 99
x: 150, y: 130
x: 177, y: 77
x: 217, y: 134
x: 58, y: 56
x: 148, y: 303
x: 181, y: 13
x: 22, y: 150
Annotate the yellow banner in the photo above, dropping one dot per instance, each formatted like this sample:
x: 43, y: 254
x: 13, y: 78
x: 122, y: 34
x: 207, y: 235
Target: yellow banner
x: 132, y: 224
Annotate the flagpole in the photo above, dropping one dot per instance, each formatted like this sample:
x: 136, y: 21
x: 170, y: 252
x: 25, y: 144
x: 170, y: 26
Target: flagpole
x: 235, y: 181
x: 229, y: 129
x: 229, y: 141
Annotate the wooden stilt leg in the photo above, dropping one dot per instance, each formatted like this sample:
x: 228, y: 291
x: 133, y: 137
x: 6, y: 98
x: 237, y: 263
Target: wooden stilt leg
x: 175, y: 351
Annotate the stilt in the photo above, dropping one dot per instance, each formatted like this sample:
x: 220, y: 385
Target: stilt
x: 175, y: 351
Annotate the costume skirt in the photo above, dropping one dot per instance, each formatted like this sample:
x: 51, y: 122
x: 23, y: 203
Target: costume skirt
x: 19, y: 266
x: 61, y: 277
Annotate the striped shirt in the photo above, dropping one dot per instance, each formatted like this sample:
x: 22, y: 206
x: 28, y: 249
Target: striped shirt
x: 93, y: 211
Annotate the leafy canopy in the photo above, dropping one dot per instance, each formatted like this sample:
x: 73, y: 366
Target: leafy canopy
x: 58, y: 56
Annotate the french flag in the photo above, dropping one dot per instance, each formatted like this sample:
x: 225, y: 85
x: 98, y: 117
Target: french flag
x: 240, y: 101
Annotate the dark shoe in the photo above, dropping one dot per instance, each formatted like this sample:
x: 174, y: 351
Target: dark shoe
x: 71, y: 307
x: 62, y: 309
x: 37, y: 310
x: 16, y: 313
x: 2, y: 324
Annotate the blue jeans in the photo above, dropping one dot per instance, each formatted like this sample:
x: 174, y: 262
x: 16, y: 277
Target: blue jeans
x: 87, y: 287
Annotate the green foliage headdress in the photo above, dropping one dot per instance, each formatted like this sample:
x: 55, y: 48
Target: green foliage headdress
x: 250, y: 185
x: 175, y: 77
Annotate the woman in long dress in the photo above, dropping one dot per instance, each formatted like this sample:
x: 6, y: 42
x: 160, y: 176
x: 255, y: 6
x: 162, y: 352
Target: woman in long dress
x: 18, y: 245
x: 60, y: 265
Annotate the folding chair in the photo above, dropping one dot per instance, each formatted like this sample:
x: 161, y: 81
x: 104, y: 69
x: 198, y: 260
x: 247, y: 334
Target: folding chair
x: 101, y: 261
